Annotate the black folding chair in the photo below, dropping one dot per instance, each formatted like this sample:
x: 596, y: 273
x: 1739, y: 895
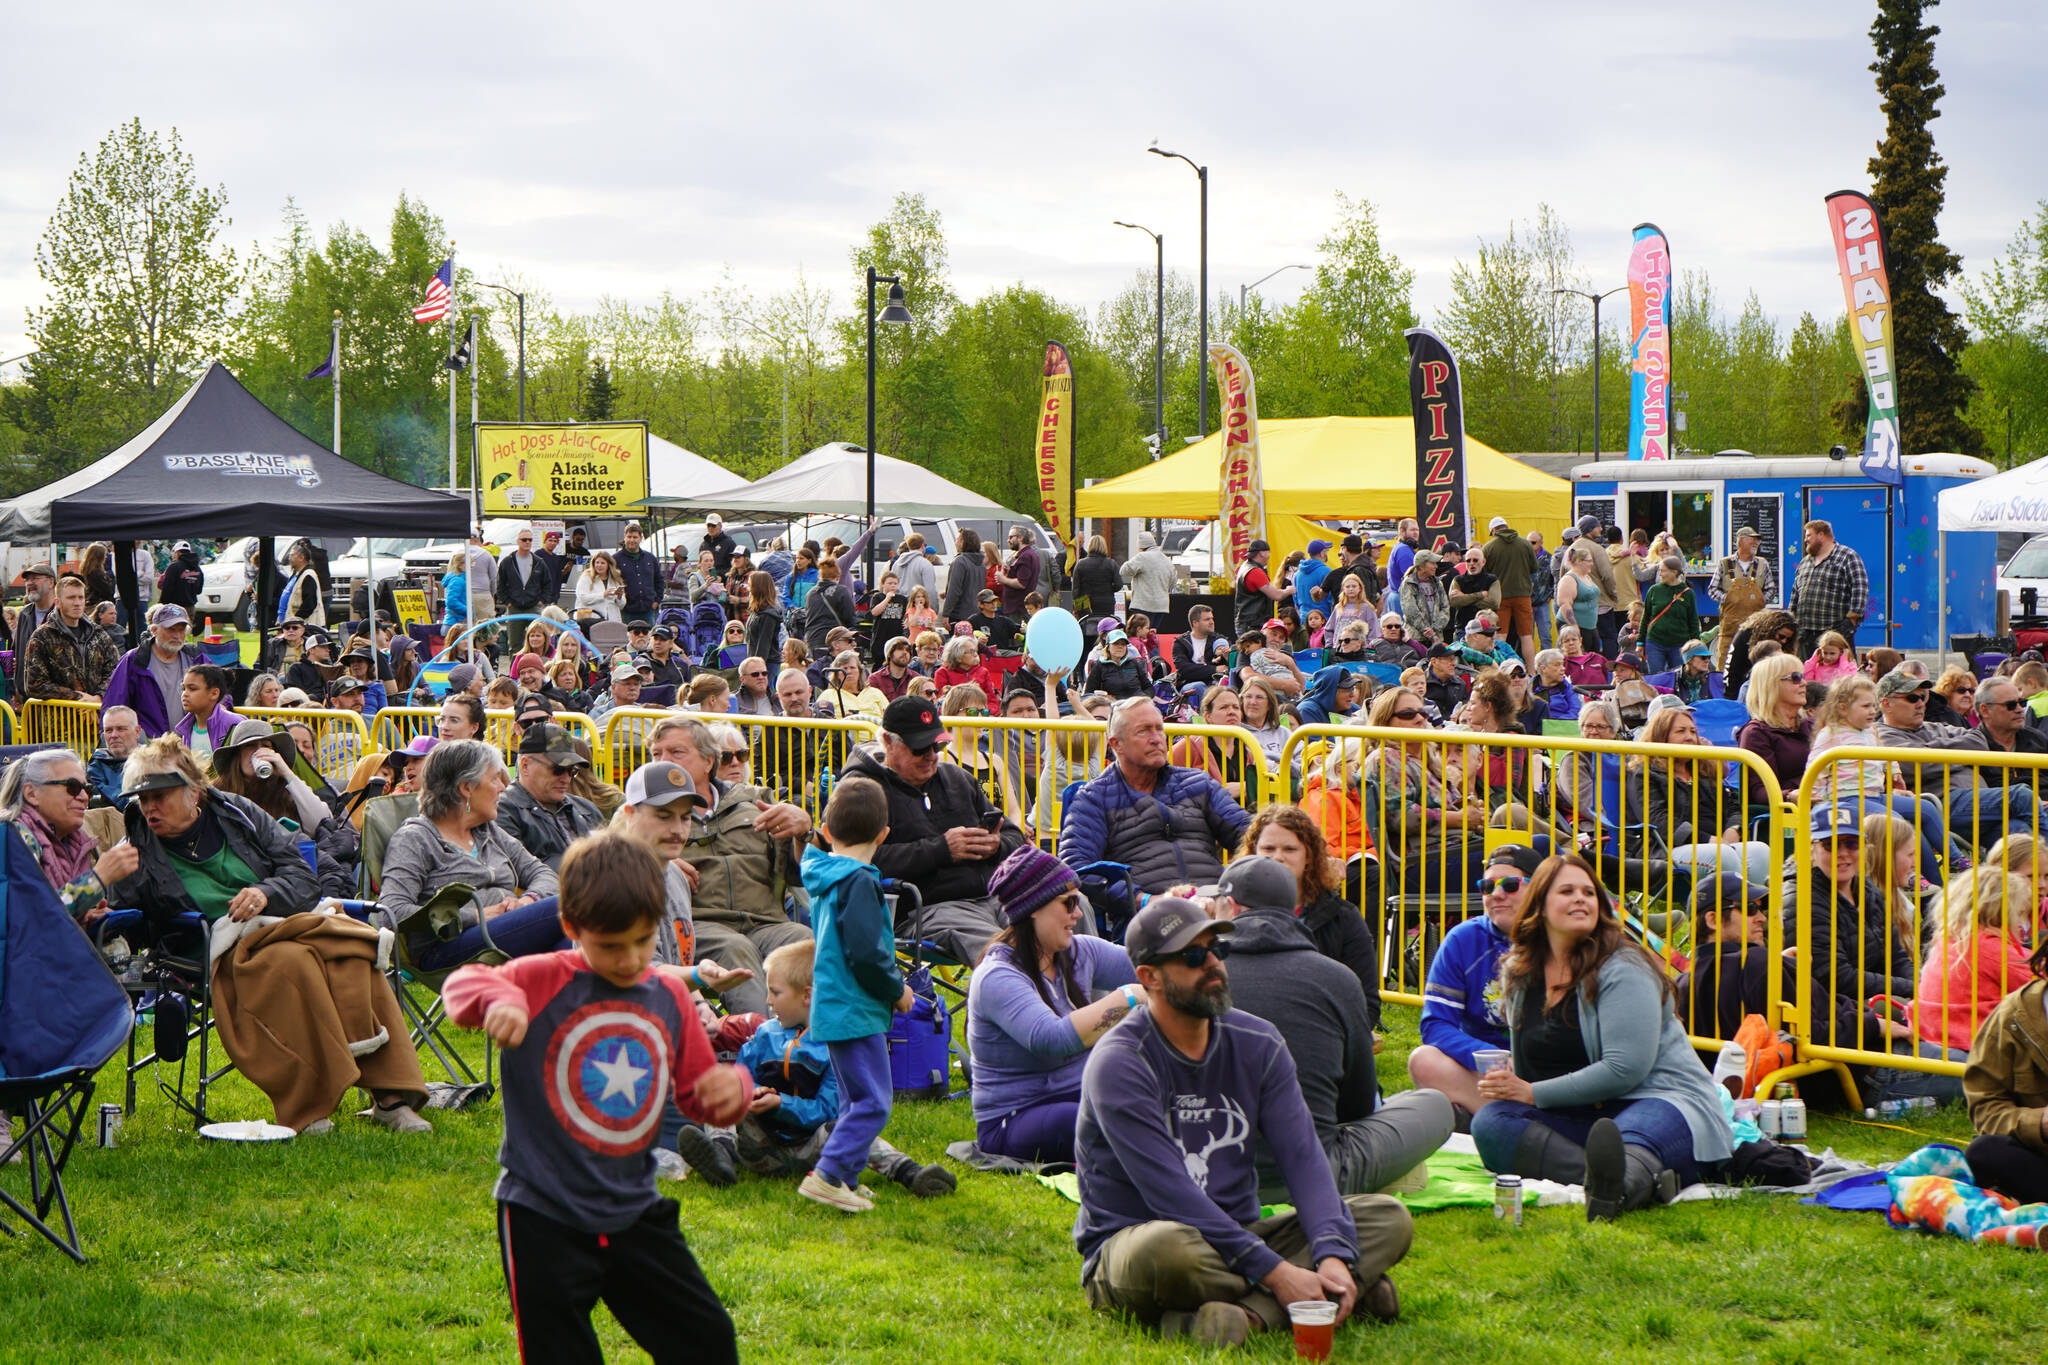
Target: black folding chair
x: 62, y: 1016
x: 174, y: 981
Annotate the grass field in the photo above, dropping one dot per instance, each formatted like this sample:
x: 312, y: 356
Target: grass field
x: 360, y: 1246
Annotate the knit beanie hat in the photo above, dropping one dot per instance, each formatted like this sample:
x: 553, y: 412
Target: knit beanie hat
x: 1028, y: 879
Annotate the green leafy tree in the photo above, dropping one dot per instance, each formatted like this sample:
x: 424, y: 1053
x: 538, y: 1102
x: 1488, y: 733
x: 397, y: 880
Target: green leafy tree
x: 139, y: 291
x: 2007, y: 307
x: 1907, y: 178
x: 1498, y: 325
x: 919, y: 410
x: 597, y: 394
x: 1809, y: 376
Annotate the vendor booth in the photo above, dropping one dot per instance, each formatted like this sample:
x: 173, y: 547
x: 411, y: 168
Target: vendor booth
x: 1703, y: 502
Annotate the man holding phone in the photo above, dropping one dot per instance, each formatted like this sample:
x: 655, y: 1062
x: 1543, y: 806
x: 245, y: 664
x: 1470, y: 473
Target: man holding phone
x: 945, y: 838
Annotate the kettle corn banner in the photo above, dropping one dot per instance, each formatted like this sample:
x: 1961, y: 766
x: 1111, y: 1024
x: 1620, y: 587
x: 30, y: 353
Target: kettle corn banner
x: 1242, y: 487
x: 575, y: 469
x: 1054, y: 449
x: 1866, y: 284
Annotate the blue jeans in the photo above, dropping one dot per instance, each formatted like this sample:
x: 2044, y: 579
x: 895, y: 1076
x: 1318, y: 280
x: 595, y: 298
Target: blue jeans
x: 865, y: 1094
x: 535, y: 928
x: 2011, y: 809
x: 1655, y: 1124
x: 1936, y: 850
x: 1664, y: 657
x: 1879, y: 1083
x: 1542, y: 610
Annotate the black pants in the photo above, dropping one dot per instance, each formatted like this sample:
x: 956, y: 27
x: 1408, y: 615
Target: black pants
x: 645, y: 1275
x: 2008, y: 1166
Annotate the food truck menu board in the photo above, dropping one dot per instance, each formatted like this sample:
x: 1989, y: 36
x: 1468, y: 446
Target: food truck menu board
x: 1602, y: 508
x: 1763, y: 511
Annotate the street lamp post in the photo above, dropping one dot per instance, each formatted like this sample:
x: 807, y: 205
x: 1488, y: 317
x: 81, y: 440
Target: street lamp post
x: 1244, y: 290
x: 1596, y: 353
x: 894, y: 313
x: 1202, y: 356
x: 521, y: 299
x: 1159, y: 342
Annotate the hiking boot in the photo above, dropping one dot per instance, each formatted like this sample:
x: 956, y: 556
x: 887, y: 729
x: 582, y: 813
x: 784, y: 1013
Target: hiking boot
x: 709, y: 1157
x: 824, y: 1190
x: 400, y: 1118
x: 1213, y: 1324
x: 1380, y: 1300
x: 1620, y: 1178
x: 926, y: 1182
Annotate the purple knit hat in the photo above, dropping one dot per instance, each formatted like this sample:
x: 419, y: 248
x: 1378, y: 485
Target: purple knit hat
x: 1028, y: 879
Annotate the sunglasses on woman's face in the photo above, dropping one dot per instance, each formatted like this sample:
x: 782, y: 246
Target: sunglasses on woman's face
x: 1409, y: 713
x: 735, y: 756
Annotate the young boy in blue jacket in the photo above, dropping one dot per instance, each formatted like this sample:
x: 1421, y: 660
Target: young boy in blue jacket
x: 855, y: 987
x: 795, y: 1096
x: 1461, y: 1000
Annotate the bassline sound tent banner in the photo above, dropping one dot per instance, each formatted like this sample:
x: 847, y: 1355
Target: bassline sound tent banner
x: 579, y: 469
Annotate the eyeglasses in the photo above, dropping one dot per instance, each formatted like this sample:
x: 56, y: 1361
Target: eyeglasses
x: 1488, y: 885
x: 1196, y: 954
x: 71, y: 785
x: 1793, y: 678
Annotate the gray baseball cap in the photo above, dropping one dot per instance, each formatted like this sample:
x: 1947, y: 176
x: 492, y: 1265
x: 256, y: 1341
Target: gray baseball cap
x: 1168, y: 925
x: 1260, y: 883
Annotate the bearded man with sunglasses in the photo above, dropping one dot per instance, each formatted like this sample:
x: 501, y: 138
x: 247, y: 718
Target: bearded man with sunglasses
x: 1461, y: 999
x: 1176, y: 1102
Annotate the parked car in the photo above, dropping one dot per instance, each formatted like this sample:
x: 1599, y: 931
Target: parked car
x: 2028, y: 568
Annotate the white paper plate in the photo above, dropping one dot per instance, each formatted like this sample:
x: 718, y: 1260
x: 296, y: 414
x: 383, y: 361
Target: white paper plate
x: 248, y: 1130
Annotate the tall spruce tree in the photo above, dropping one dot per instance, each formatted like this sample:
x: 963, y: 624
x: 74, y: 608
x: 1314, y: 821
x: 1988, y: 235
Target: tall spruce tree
x: 1906, y: 177
x: 597, y: 395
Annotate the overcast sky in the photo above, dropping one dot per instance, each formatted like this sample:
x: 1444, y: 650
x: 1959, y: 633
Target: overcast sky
x: 633, y: 147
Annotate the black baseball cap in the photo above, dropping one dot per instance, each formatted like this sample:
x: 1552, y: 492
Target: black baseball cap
x: 1442, y: 651
x: 913, y: 720
x: 1521, y: 857
x: 638, y: 625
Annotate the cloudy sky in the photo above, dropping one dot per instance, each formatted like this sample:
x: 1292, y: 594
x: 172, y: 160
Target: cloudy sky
x: 634, y: 147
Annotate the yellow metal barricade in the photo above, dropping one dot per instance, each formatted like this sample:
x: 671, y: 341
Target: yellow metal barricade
x: 1426, y: 806
x: 12, y: 722
x: 1907, y: 941
x: 792, y: 759
x: 338, y: 741
x: 74, y: 724
x: 398, y: 726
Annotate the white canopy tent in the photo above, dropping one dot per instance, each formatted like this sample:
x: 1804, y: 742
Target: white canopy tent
x: 673, y: 472
x: 2016, y: 500
x: 832, y: 481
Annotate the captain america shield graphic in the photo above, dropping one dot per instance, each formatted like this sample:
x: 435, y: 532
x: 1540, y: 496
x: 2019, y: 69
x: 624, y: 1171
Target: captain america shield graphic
x: 607, y: 1074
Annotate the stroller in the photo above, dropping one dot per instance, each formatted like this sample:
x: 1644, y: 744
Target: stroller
x: 703, y: 632
x: 62, y: 1016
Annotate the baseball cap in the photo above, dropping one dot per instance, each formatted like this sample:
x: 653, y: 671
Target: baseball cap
x: 1899, y: 681
x: 664, y: 633
x: 913, y: 720
x: 1316, y: 547
x: 1107, y: 624
x: 625, y: 669
x: 632, y: 626
x: 1353, y: 543
x: 1635, y: 661
x: 1497, y: 524
x: 1256, y: 546
x: 1276, y: 624
x: 714, y: 520
x: 986, y: 595
x: 1427, y: 557
x: 42, y: 567
x: 1834, y: 822
x: 181, y: 547
x: 157, y: 782
x: 318, y: 637
x: 1167, y: 925
x: 1442, y: 651
x: 551, y: 742
x: 168, y: 614
x: 661, y: 784
x: 342, y: 684
x: 419, y: 746
x: 1478, y: 625
x: 1113, y: 636
x: 1520, y: 857
x: 1747, y: 532
x: 1724, y: 891
x: 1260, y: 883
x: 1515, y: 666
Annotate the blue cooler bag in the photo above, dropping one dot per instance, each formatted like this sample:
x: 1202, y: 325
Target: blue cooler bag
x: 921, y: 1042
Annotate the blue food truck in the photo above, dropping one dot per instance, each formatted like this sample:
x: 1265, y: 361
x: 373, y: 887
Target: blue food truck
x: 1703, y: 501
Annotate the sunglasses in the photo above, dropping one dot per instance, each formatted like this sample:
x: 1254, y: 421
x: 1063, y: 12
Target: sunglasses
x: 1793, y: 678
x: 922, y: 751
x: 1488, y: 885
x: 2015, y: 704
x: 1409, y: 713
x: 735, y: 755
x: 1197, y: 954
x: 71, y: 785
x: 563, y: 769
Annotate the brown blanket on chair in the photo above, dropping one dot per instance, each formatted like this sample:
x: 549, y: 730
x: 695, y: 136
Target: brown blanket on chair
x: 304, y: 1013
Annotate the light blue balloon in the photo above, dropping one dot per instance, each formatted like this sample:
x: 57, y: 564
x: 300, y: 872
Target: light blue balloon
x: 1053, y: 639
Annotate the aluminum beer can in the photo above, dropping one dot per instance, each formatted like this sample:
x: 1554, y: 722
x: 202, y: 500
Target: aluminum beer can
x: 1770, y: 1119
x: 1507, y: 1199
x: 110, y: 1125
x: 1792, y: 1119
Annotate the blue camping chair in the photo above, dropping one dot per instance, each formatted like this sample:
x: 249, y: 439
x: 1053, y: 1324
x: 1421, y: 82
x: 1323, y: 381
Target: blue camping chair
x: 1718, y: 719
x: 62, y: 1016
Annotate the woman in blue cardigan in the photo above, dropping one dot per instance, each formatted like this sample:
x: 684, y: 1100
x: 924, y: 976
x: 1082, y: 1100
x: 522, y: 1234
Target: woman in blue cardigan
x: 1605, y: 1089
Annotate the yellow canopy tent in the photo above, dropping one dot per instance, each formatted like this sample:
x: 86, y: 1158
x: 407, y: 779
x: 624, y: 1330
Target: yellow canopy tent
x: 1335, y: 469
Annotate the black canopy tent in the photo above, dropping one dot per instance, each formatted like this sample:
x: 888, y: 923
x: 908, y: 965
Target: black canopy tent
x: 219, y: 463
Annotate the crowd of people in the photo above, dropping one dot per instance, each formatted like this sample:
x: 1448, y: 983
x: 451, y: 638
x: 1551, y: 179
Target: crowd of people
x: 1174, y: 952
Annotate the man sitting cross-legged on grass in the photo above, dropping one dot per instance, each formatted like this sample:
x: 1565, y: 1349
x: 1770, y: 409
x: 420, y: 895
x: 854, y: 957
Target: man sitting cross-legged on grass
x: 595, y: 1036
x: 1175, y: 1102
x: 795, y: 1097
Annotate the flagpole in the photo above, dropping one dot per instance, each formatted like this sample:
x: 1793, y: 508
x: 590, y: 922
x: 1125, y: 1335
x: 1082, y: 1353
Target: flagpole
x: 453, y: 378
x: 334, y: 363
x: 475, y: 502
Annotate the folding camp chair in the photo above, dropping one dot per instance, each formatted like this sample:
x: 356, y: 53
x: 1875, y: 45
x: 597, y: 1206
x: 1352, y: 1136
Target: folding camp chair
x: 62, y: 1016
x: 172, y: 981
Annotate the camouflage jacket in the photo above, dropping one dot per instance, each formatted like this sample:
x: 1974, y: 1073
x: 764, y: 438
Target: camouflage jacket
x: 58, y: 669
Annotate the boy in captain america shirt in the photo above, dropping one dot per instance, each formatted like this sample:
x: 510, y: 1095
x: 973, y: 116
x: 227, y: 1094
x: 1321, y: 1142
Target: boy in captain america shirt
x: 596, y: 1038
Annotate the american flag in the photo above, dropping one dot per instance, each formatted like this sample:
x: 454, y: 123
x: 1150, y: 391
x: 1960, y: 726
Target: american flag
x: 435, y: 306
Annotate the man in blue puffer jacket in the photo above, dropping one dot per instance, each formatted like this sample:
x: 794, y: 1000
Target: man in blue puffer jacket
x: 1461, y: 1001
x: 1330, y: 696
x: 1163, y: 822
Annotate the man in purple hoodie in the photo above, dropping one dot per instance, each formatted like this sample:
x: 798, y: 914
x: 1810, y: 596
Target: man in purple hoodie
x: 150, y: 678
x: 1175, y: 1103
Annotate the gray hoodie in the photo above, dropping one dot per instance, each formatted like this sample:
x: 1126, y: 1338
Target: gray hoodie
x: 1319, y: 1008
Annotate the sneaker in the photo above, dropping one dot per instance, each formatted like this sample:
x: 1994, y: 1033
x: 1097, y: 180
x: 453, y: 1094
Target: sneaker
x: 669, y: 1166
x: 928, y: 1182
x: 1213, y: 1324
x: 824, y: 1190
x: 708, y: 1156
x: 400, y: 1119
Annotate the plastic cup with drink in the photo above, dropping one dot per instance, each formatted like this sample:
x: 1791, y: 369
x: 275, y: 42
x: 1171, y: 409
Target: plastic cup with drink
x: 1315, y: 1328
x: 1492, y: 1058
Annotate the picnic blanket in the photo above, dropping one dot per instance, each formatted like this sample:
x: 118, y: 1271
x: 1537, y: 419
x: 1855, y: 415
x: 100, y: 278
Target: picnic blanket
x: 1932, y: 1192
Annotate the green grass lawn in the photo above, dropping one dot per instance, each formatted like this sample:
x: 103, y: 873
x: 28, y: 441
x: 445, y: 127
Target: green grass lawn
x: 360, y: 1246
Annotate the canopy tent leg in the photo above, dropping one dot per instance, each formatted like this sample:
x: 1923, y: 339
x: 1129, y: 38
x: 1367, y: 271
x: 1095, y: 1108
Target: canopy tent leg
x: 127, y: 587
x: 1940, y: 601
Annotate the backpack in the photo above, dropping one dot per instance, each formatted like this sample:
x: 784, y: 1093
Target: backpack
x: 1764, y: 1050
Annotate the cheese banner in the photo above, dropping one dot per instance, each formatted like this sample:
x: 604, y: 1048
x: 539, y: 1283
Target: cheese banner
x: 1441, y: 509
x: 1866, y: 284
x: 1649, y: 319
x: 1055, y: 447
x: 1242, y: 488
x: 568, y: 469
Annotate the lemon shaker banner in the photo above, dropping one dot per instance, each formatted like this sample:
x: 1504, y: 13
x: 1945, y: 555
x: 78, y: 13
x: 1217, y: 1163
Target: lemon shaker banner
x: 571, y: 469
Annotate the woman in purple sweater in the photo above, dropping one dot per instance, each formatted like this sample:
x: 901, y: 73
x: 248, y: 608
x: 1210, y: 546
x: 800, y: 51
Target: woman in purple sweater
x: 1030, y: 1020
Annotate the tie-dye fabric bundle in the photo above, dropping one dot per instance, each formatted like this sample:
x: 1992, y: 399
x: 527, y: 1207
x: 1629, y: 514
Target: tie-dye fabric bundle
x: 1931, y: 1191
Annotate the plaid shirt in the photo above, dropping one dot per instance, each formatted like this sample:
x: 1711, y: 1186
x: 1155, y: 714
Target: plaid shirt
x: 1829, y: 590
